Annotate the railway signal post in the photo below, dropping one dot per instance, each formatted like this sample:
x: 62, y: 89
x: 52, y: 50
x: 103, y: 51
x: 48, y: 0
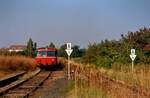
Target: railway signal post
x: 69, y: 51
x: 132, y: 56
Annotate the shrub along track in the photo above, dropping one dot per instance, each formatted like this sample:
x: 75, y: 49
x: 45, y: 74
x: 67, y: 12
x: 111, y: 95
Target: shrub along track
x: 118, y: 89
x: 23, y: 90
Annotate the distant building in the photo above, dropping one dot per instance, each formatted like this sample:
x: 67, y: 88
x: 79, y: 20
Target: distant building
x: 17, y: 48
x: 3, y: 49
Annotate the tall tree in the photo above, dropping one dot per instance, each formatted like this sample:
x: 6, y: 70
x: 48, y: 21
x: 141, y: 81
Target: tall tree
x: 76, y: 51
x: 62, y: 50
x: 34, y: 46
x: 30, y: 47
x: 51, y: 45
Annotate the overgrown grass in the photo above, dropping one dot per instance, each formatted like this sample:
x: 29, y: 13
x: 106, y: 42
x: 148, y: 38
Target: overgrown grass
x: 86, y: 91
x: 139, y: 77
x: 69, y: 86
x: 16, y: 63
x: 83, y: 90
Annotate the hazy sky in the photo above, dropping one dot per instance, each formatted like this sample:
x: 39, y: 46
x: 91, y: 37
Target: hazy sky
x: 76, y: 21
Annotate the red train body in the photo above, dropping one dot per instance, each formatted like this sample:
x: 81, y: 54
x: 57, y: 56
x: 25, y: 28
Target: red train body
x: 46, y: 57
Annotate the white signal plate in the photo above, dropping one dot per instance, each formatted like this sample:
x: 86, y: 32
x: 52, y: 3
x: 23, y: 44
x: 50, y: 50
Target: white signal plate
x: 132, y: 57
x: 68, y: 51
x: 132, y: 51
x: 68, y: 45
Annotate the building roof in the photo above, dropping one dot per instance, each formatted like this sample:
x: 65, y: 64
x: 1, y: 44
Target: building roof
x: 18, y: 47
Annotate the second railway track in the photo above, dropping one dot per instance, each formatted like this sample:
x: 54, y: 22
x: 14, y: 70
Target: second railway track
x: 26, y: 88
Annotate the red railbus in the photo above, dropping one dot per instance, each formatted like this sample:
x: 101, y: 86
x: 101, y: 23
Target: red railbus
x: 46, y: 57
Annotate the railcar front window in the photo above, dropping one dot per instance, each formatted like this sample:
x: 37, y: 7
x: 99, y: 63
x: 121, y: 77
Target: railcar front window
x: 51, y: 53
x: 41, y: 54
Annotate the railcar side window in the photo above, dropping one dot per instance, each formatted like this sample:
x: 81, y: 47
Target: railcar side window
x: 51, y: 53
x: 41, y: 54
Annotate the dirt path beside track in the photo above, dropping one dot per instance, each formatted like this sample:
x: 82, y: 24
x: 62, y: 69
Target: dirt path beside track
x: 54, y: 87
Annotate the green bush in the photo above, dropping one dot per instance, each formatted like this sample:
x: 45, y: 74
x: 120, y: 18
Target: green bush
x: 106, y: 53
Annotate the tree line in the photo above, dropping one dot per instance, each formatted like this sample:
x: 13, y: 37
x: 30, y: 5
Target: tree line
x: 105, y: 53
x: 109, y: 52
x: 32, y: 46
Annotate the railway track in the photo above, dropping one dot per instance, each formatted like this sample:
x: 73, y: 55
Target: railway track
x: 10, y: 78
x: 25, y: 88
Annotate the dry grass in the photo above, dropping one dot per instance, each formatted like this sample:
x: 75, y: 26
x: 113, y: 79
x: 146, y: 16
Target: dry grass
x: 140, y: 77
x: 16, y: 63
x: 5, y: 73
x: 83, y: 90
